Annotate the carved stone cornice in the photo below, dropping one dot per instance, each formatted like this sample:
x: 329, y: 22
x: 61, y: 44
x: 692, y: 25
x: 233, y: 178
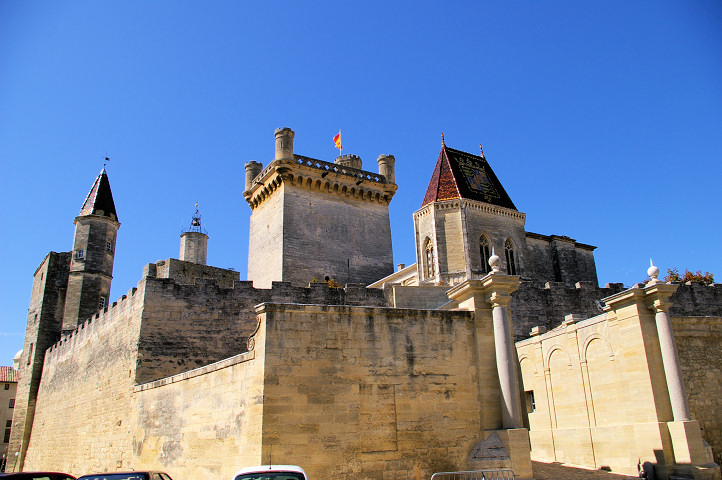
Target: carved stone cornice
x: 321, y: 177
x: 459, y: 203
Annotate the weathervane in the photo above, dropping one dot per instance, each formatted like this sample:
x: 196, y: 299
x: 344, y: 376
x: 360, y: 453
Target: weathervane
x: 105, y: 162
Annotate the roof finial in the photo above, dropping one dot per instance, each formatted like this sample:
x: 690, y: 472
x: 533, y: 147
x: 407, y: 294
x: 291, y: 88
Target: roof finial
x: 105, y: 162
x: 653, y: 273
x: 481, y: 149
x: 442, y: 140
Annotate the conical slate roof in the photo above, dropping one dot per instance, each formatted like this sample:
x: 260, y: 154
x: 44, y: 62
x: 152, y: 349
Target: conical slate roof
x: 100, y: 199
x: 462, y: 175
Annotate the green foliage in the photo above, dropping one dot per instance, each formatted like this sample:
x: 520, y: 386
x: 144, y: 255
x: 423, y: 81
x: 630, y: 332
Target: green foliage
x: 673, y: 276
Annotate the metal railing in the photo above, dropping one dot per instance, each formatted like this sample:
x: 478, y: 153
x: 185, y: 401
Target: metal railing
x: 498, y: 474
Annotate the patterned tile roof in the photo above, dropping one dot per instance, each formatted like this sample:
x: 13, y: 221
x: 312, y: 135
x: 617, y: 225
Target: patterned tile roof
x: 462, y: 175
x: 8, y: 375
x: 100, y: 199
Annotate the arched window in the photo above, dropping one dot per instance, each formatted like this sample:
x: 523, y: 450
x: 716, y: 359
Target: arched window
x: 485, y: 251
x: 429, y: 249
x: 510, y: 260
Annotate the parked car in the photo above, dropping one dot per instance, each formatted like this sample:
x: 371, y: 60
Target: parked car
x: 127, y: 476
x: 271, y: 472
x: 36, y: 476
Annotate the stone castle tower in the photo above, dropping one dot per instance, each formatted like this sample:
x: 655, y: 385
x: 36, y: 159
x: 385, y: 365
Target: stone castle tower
x: 349, y: 239
x: 466, y: 215
x: 91, y: 263
x: 68, y: 288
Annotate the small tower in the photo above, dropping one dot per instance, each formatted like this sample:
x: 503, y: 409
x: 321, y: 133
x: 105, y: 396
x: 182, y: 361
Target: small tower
x: 91, y: 265
x: 194, y: 241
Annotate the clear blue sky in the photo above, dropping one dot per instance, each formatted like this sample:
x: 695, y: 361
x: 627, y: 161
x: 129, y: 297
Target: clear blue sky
x: 602, y: 119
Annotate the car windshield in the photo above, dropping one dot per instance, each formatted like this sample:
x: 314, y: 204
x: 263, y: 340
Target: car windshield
x: 271, y: 476
x: 115, y: 476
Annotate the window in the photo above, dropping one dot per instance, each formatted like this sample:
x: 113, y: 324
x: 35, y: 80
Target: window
x: 429, y: 259
x: 485, y: 251
x: 7, y: 436
x: 101, y: 304
x: 109, y: 247
x: 510, y: 260
x: 530, y: 404
x: 8, y: 424
x: 12, y: 403
x: 7, y: 386
x: 30, y: 354
x: 80, y: 253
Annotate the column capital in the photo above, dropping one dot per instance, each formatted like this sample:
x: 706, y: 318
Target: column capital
x: 494, y: 289
x: 657, y: 296
x: 497, y: 299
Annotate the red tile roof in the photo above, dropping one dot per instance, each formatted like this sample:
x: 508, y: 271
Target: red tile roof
x: 8, y: 375
x: 462, y: 175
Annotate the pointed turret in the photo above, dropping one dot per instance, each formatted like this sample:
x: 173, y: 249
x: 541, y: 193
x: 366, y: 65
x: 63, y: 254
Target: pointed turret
x: 91, y: 267
x: 462, y: 175
x: 465, y: 214
x: 100, y: 199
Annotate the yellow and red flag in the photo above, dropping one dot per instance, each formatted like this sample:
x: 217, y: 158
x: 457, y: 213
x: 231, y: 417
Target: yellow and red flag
x: 337, y: 141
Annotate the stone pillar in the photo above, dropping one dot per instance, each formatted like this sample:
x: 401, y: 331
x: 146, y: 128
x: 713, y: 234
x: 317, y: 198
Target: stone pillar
x: 505, y: 360
x: 658, y: 301
x: 284, y: 144
x: 500, y: 404
x: 386, y: 167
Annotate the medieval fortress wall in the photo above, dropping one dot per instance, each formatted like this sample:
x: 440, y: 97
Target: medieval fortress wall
x: 83, y: 403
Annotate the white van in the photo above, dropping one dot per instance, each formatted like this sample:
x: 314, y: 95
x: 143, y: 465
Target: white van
x: 271, y: 472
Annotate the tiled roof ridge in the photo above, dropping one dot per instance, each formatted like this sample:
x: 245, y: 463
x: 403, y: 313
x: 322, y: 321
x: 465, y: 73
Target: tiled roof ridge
x: 8, y: 375
x: 443, y: 185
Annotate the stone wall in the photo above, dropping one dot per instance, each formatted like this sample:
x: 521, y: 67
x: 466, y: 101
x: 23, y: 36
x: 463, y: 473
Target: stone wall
x: 546, y: 305
x: 558, y: 258
x: 204, y: 423
x: 695, y: 299
x: 596, y: 393
x: 354, y: 392
x: 698, y: 343
x: 594, y: 403
x: 84, y: 414
x: 186, y: 326
x: 349, y: 239
x: 44, y: 323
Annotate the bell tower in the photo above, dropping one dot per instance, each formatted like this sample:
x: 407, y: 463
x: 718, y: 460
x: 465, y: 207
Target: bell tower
x: 91, y: 263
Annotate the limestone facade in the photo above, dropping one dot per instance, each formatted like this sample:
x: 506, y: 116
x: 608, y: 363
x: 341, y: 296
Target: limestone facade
x: 596, y: 394
x: 197, y: 373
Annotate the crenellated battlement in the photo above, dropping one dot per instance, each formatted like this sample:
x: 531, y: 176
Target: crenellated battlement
x: 320, y: 176
x: 117, y: 311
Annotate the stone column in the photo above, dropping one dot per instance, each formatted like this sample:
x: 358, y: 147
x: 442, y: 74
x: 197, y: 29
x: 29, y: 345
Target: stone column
x: 505, y: 360
x: 658, y: 296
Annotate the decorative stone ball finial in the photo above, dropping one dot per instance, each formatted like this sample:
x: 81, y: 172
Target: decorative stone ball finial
x: 653, y: 273
x: 494, y: 262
